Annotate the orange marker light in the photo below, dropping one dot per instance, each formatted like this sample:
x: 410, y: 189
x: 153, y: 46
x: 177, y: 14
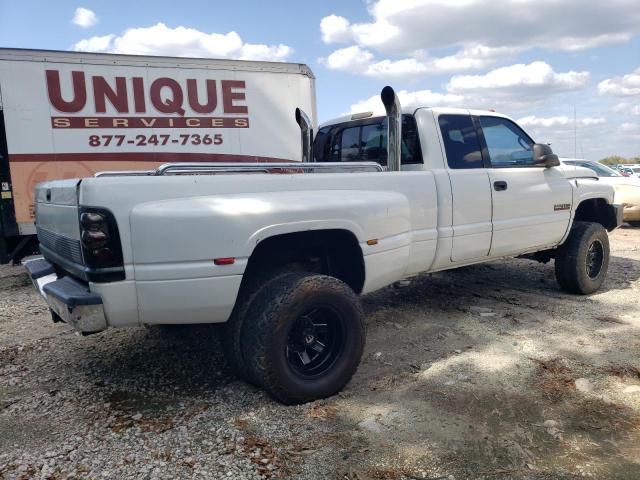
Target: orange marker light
x: 224, y: 261
x: 373, y: 241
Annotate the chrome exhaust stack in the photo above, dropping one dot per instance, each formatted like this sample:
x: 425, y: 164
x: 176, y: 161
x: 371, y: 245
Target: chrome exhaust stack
x: 306, y: 135
x: 394, y: 130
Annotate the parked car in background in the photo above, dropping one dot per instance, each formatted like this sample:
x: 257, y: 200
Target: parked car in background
x: 624, y: 170
x: 633, y: 168
x: 627, y: 188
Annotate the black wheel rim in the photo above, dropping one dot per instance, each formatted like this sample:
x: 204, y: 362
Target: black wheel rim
x: 315, y: 341
x: 595, y: 259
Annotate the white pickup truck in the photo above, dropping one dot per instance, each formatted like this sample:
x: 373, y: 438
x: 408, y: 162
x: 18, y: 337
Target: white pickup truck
x: 280, y: 252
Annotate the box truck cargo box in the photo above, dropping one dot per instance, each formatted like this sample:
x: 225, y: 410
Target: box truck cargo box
x: 69, y: 114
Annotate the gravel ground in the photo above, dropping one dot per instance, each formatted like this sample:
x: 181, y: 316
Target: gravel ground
x: 483, y: 372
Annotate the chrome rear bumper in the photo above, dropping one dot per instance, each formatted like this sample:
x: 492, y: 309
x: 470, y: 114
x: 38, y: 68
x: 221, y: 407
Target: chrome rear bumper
x: 70, y: 300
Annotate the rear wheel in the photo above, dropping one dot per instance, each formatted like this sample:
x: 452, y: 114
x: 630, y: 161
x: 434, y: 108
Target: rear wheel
x: 583, y: 260
x: 232, y: 329
x: 303, y: 337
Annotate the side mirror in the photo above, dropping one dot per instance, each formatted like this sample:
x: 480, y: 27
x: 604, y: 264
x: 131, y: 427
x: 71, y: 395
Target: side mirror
x: 543, y: 156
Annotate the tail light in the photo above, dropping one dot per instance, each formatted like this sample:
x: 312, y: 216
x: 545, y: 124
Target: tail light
x: 100, y: 238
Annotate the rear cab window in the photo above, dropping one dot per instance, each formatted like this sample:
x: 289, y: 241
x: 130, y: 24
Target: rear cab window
x: 366, y: 141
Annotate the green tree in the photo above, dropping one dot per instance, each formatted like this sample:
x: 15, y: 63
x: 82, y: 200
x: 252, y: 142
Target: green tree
x: 614, y: 160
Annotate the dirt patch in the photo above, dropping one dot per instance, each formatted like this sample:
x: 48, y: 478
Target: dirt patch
x: 13, y: 277
x: 623, y: 372
x: 553, y: 378
x: 484, y: 372
x: 609, y: 319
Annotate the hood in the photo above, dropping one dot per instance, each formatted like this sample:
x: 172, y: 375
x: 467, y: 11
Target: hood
x: 573, y: 171
x: 627, y: 181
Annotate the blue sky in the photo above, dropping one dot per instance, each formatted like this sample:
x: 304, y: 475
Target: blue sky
x: 535, y: 60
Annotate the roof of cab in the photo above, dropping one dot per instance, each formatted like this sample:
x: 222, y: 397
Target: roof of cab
x: 408, y: 111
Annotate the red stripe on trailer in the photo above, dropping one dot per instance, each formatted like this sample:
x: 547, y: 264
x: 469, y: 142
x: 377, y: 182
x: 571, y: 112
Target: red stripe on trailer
x: 161, y: 157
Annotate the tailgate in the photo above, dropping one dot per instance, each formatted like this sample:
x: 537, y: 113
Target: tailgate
x: 56, y: 206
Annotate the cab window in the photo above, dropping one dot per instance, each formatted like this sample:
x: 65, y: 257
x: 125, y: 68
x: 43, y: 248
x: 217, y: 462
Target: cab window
x: 461, y: 142
x: 374, y: 143
x: 507, y: 144
x: 350, y: 145
x: 366, y: 142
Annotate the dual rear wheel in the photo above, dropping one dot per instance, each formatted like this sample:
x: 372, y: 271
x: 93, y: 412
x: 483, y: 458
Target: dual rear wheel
x: 298, y: 335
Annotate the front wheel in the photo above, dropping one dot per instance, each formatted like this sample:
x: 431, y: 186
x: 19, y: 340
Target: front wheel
x: 583, y: 260
x: 303, y: 337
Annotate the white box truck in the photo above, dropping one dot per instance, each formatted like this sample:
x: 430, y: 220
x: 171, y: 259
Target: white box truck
x: 70, y: 115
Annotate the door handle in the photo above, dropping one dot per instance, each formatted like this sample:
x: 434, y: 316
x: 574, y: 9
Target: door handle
x: 499, y: 186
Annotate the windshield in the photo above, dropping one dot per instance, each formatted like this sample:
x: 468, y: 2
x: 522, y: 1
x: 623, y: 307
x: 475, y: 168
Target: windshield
x: 601, y: 170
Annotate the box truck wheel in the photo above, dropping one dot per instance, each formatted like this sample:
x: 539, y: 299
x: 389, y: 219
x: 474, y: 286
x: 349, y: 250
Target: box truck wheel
x: 303, y: 337
x: 582, y: 261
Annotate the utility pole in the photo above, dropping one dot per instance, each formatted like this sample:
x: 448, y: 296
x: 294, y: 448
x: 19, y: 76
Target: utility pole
x: 575, y: 134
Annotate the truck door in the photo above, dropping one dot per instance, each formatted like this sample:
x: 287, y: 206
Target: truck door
x: 470, y: 188
x: 531, y: 204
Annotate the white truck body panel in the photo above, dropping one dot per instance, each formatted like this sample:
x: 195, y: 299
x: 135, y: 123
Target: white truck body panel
x: 124, y: 112
x: 524, y: 215
x: 171, y: 269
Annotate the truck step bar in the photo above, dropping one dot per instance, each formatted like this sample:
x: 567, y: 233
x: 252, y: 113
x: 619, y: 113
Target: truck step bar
x: 216, y: 168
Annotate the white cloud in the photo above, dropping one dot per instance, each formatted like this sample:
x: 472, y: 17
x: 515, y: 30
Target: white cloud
x: 413, y: 38
x: 352, y: 58
x: 335, y: 29
x: 535, y: 78
x: 85, y: 18
x: 183, y: 42
x: 404, y: 68
x: 514, y: 89
x: 626, y: 85
x: 358, y: 60
x: 95, y: 44
x: 420, y: 98
x: 627, y: 107
x: 473, y: 57
x: 630, y: 127
x: 588, y: 121
x: 559, y: 121
x: 405, y: 26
